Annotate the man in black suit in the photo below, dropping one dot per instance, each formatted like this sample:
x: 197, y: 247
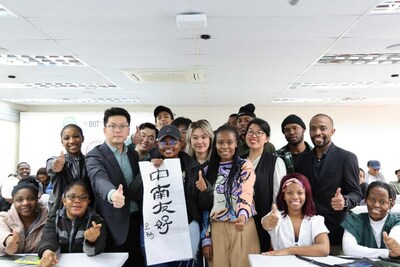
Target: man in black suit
x: 112, y: 168
x: 333, y: 175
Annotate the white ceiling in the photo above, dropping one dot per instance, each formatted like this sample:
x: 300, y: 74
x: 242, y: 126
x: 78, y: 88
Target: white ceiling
x: 257, y: 50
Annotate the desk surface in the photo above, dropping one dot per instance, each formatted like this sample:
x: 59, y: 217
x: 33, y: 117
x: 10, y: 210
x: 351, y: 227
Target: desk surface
x: 257, y: 260
x: 81, y: 259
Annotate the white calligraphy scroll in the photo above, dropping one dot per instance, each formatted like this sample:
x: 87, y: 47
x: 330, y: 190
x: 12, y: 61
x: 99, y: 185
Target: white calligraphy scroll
x: 165, y: 224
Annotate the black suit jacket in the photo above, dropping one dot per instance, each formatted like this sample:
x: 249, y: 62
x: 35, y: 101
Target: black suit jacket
x: 339, y: 169
x: 105, y: 175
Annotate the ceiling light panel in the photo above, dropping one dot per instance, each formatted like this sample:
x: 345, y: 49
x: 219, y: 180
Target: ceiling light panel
x: 361, y: 59
x: 343, y: 85
x: 58, y: 86
x: 387, y: 7
x: 335, y: 100
x: 39, y: 101
x: 29, y: 60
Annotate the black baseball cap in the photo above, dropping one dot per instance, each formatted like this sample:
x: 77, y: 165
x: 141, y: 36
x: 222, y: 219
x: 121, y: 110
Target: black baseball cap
x: 158, y: 109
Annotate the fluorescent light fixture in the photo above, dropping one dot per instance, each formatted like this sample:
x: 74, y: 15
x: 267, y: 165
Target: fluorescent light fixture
x: 30, y: 60
x: 326, y: 85
x: 5, y: 13
x: 74, y: 101
x: 335, y: 100
x: 343, y: 85
x: 382, y: 58
x: 387, y: 7
x: 93, y: 86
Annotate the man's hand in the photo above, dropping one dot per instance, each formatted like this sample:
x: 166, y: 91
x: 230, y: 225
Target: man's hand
x: 58, y: 163
x: 201, y: 184
x: 270, y: 221
x: 118, y: 198
x: 207, y: 252
x: 137, y: 138
x: 12, y: 242
x: 337, y: 202
x: 93, y: 232
x: 49, y: 258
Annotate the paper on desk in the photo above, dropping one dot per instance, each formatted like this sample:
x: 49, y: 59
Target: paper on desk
x: 257, y: 260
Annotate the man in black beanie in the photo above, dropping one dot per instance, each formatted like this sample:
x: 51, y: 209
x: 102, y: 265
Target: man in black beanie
x: 293, y: 128
x: 244, y: 116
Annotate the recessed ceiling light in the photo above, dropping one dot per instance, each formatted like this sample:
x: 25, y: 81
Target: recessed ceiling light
x: 336, y: 100
x: 50, y: 101
x: 387, y: 7
x: 58, y: 86
x: 23, y: 60
x: 384, y: 58
x: 326, y: 85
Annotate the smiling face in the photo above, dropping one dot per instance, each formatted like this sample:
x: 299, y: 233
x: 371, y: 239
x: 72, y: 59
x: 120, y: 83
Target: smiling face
x: 147, y: 140
x: 72, y: 141
x: 25, y: 203
x: 321, y: 131
x: 75, y: 201
x: 200, y: 141
x: 169, y: 147
x: 378, y: 203
x: 163, y: 118
x: 24, y: 170
x: 256, y: 137
x: 294, y: 196
x: 226, y: 145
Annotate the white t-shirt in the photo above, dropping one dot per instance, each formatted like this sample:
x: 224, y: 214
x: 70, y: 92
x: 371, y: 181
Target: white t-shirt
x: 283, y: 234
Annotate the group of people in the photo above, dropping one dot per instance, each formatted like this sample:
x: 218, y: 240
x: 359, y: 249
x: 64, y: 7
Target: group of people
x: 242, y: 196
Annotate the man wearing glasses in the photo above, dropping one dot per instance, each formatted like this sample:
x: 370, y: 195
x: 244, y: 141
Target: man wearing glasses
x: 112, y: 168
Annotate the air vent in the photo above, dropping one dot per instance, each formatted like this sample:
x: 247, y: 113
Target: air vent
x: 162, y: 76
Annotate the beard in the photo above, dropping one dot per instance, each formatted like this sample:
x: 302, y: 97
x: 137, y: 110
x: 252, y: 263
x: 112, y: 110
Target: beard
x: 295, y: 142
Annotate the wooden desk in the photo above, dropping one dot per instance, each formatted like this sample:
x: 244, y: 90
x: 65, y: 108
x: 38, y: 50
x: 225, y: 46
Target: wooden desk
x: 257, y: 260
x: 80, y: 259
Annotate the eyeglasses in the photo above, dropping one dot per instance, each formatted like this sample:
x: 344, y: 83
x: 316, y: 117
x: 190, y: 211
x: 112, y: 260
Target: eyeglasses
x: 170, y: 143
x: 121, y: 127
x: 258, y: 134
x: 81, y: 198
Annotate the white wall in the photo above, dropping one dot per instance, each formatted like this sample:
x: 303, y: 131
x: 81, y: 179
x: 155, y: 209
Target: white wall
x: 9, y: 147
x: 368, y: 131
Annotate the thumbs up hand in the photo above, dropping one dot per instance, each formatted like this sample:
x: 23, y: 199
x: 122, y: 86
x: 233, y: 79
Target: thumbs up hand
x: 93, y: 232
x: 118, y: 198
x: 338, y: 201
x: 137, y: 137
x: 58, y: 163
x: 392, y: 245
x: 12, y: 242
x: 270, y: 221
x: 201, y: 184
